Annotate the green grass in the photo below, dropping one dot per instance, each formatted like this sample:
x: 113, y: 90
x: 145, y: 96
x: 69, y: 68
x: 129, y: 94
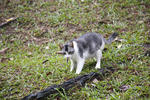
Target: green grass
x: 44, y: 24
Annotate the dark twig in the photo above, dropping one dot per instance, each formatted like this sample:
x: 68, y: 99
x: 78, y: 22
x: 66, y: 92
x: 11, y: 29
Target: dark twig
x: 78, y: 81
x: 45, y: 61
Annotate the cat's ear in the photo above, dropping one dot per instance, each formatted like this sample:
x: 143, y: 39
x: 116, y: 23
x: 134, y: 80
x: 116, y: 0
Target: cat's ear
x: 60, y: 46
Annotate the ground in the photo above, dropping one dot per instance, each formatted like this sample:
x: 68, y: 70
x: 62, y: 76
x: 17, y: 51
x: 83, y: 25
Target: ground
x: 28, y: 59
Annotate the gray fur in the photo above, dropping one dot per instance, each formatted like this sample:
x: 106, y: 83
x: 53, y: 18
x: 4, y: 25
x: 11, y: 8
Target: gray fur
x: 87, y: 46
x: 111, y: 38
x: 90, y: 41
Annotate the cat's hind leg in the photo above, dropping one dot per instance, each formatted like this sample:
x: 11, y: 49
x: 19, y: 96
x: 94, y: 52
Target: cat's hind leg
x: 98, y: 58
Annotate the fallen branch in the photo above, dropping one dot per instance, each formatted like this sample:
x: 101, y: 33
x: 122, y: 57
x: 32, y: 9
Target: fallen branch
x: 78, y: 81
x: 8, y: 21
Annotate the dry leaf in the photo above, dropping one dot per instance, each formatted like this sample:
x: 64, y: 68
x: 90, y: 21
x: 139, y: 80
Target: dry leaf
x: 11, y: 59
x: 93, y: 85
x: 140, y: 22
x: 119, y: 39
x: 47, y: 47
x: 124, y: 87
x: 9, y: 19
x: 29, y: 53
x: 3, y: 51
x: 4, y: 60
x: 95, y: 81
x: 119, y: 46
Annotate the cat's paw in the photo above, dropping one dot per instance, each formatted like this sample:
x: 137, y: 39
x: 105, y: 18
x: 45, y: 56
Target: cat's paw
x: 71, y: 70
x: 97, y: 67
x: 77, y: 72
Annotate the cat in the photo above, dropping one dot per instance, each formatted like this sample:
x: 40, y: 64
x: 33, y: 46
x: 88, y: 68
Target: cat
x: 87, y: 46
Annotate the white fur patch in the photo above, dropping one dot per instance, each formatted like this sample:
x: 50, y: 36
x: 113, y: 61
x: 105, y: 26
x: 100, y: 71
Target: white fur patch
x: 103, y: 45
x: 67, y: 55
x: 75, y: 57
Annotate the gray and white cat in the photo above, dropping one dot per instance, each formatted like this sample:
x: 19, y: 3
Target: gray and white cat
x: 88, y: 45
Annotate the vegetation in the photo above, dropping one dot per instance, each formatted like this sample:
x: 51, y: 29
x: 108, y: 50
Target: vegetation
x: 27, y: 43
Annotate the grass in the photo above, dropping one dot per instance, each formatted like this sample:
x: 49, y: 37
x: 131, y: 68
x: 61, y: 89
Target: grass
x: 44, y: 24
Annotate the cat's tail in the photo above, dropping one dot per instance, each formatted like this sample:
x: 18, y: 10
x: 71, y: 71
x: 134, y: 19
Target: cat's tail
x: 111, y: 38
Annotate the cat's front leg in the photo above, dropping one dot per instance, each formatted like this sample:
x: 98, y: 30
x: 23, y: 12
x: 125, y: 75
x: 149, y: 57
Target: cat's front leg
x: 80, y: 64
x: 98, y: 57
x: 73, y: 63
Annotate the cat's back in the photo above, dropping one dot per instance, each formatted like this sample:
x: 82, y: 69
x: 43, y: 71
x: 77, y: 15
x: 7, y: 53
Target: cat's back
x: 90, y: 34
x: 91, y: 37
x: 90, y: 41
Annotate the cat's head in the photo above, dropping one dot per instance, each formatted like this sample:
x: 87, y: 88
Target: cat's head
x: 67, y: 49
